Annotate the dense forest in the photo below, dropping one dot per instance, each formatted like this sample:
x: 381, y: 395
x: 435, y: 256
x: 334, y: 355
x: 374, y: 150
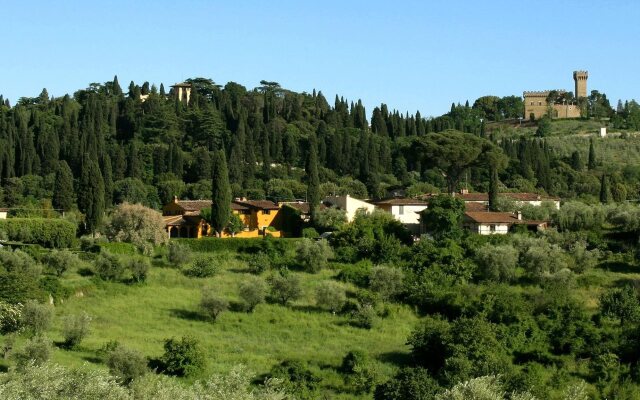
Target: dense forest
x: 146, y: 146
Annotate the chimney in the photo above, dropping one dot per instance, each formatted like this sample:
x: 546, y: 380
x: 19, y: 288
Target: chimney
x: 519, y: 214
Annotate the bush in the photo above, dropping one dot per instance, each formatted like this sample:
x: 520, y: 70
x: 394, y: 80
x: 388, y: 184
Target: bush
x: 212, y: 305
x: 36, y: 317
x: 252, y: 291
x: 178, y: 254
x: 35, y: 352
x: 139, y: 268
x: 497, y: 263
x: 297, y: 378
x: 19, y: 277
x: 259, y: 262
x: 310, y: 233
x: 357, y: 273
x: 388, y: 282
x: 75, y: 328
x: 363, y: 317
x: 126, y: 364
x: 285, y: 287
x: 542, y: 259
x: 137, y: 224
x: 60, y: 261
x: 48, y: 232
x: 10, y: 317
x: 330, y: 296
x: 182, y: 358
x: 313, y: 256
x: 408, y: 384
x: 109, y: 267
x: 203, y: 267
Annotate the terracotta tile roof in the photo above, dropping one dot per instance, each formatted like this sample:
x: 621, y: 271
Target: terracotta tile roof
x: 238, y: 207
x: 194, y: 205
x: 488, y: 217
x: 401, y: 202
x: 174, y: 220
x: 4, y: 209
x: 485, y: 196
x: 259, y: 204
x: 471, y: 206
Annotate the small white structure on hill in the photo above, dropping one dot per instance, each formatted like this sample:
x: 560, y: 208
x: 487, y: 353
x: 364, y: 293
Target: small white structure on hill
x: 349, y: 204
x: 603, y: 132
x: 3, y: 213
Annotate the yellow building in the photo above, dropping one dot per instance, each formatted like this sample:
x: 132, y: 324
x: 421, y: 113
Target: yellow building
x: 183, y: 220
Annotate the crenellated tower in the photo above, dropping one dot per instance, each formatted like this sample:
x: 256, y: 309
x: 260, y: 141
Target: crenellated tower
x: 580, y: 78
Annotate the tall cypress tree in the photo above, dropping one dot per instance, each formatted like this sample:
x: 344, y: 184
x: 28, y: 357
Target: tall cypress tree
x: 592, y: 156
x: 220, y: 194
x: 493, y: 190
x: 604, y: 189
x: 91, y: 193
x: 63, y: 194
x: 313, y: 185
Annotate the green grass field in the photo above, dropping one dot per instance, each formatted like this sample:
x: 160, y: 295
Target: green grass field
x: 143, y: 316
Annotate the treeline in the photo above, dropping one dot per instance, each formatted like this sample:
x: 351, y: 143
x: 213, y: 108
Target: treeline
x: 104, y: 145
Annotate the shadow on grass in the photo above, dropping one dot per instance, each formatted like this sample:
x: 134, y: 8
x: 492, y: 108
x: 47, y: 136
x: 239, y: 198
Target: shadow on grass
x: 635, y: 283
x: 85, y: 272
x: 93, y: 359
x: 188, y: 315
x: 4, y: 368
x: 619, y: 266
x: 398, y: 358
x: 307, y: 308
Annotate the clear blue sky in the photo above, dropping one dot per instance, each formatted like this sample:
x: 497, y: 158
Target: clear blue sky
x: 412, y: 55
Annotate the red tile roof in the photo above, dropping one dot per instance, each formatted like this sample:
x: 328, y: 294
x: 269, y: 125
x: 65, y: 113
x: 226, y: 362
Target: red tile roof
x: 471, y: 206
x: 489, y: 217
x: 194, y: 205
x: 513, y: 196
x: 259, y: 204
x: 402, y: 202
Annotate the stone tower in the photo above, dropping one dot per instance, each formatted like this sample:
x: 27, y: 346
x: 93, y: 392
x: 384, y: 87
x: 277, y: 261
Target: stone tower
x: 580, y: 77
x: 182, y: 91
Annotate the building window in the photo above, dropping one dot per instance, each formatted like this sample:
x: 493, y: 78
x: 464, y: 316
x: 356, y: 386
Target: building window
x: 539, y: 103
x: 532, y: 103
x: 400, y: 210
x: 492, y: 228
x: 266, y: 212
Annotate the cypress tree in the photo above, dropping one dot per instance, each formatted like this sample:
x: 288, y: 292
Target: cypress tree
x: 91, y: 194
x: 63, y: 194
x: 220, y: 194
x: 604, y: 189
x: 592, y: 156
x: 493, y: 190
x: 313, y: 185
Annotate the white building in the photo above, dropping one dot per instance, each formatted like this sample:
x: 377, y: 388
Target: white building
x: 407, y: 211
x: 520, y: 199
x: 3, y: 213
x: 497, y: 223
x: 349, y: 204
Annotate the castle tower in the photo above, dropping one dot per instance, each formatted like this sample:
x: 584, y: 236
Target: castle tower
x: 182, y: 91
x: 580, y: 77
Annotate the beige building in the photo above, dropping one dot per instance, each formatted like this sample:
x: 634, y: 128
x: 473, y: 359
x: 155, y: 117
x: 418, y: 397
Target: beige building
x: 349, y: 204
x: 3, y: 213
x: 405, y: 210
x: 536, y: 106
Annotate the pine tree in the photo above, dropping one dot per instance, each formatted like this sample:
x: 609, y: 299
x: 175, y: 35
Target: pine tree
x: 576, y: 161
x: 221, y: 194
x: 604, y: 189
x: 63, y: 193
x: 493, y: 190
x: 313, y: 184
x: 91, y: 193
x: 592, y: 156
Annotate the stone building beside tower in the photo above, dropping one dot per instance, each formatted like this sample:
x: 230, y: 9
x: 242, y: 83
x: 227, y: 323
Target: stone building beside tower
x: 563, y: 104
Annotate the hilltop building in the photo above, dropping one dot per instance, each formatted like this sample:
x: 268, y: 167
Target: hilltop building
x: 182, y: 91
x: 565, y: 105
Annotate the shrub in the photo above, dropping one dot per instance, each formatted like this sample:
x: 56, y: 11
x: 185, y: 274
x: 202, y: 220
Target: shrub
x: 52, y: 286
x: 259, y: 263
x: 388, y: 282
x: 10, y: 317
x: 137, y: 224
x: 203, y: 267
x: 19, y: 277
x: 363, y: 317
x: 212, y: 305
x: 252, y: 291
x: 313, y: 256
x: 330, y: 296
x: 356, y: 273
x: 139, y: 268
x: 359, y: 374
x: 36, y: 317
x: 182, y: 358
x: 178, y: 254
x: 285, y: 287
x: 36, y: 351
x: 497, y: 263
x: 109, y: 267
x: 75, y: 328
x: 60, y: 261
x: 542, y: 259
x: 126, y: 364
x: 48, y: 232
x: 297, y: 378
x: 310, y: 233
x: 408, y: 384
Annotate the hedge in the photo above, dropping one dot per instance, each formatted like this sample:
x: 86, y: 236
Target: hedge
x: 238, y: 245
x: 47, y: 232
x: 119, y: 248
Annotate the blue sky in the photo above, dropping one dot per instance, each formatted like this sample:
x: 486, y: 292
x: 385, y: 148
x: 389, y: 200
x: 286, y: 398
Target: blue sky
x: 412, y: 55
